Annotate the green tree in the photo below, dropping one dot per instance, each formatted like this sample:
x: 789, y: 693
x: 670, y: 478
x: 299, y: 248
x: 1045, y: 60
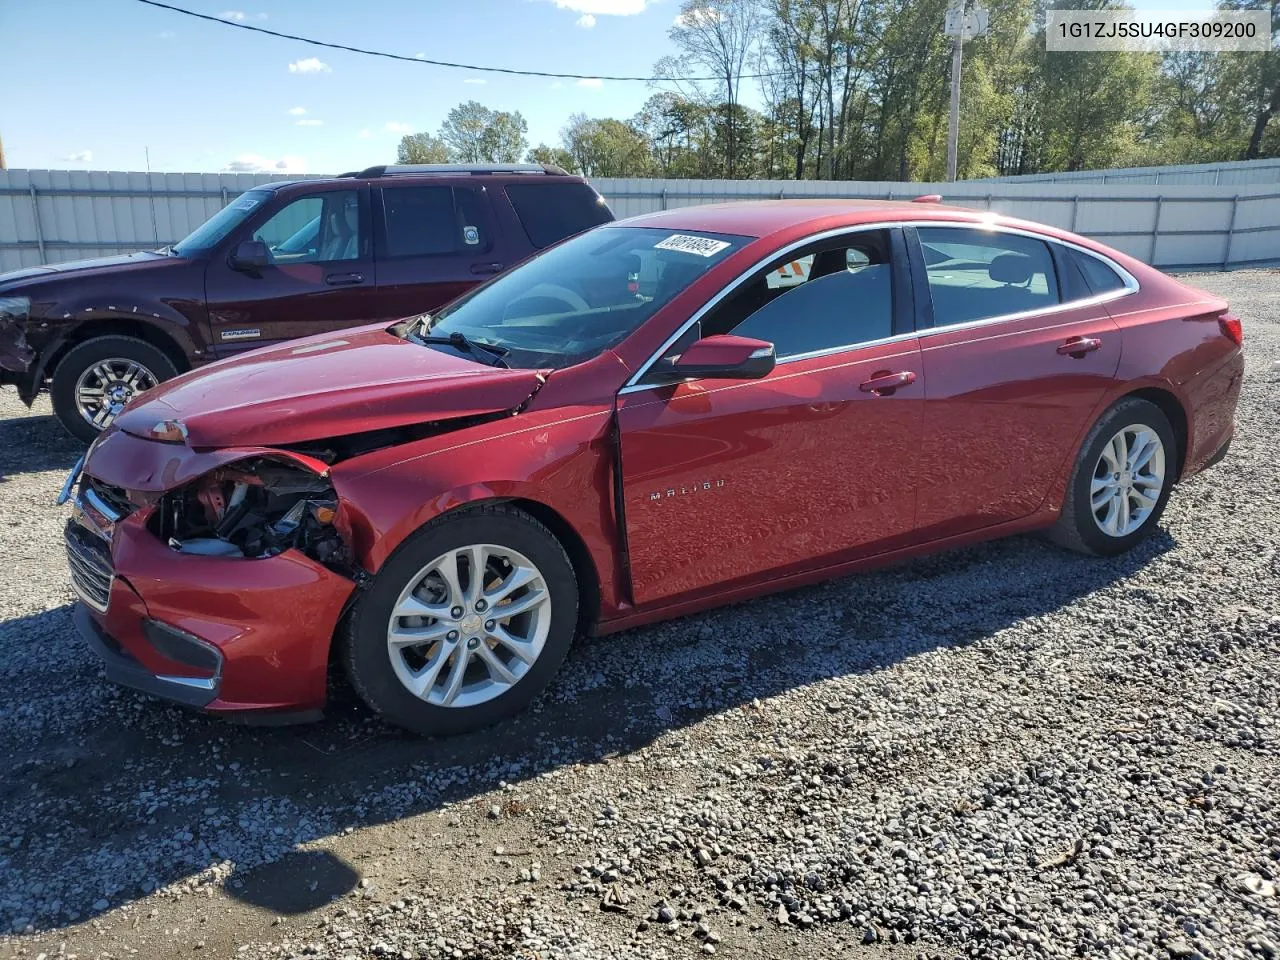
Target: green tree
x: 555, y: 156
x: 475, y: 134
x: 607, y: 148
x: 421, y: 148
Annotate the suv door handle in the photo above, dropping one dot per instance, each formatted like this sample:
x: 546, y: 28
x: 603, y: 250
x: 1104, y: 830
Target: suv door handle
x: 883, y: 384
x: 343, y: 279
x: 486, y: 268
x: 1078, y: 346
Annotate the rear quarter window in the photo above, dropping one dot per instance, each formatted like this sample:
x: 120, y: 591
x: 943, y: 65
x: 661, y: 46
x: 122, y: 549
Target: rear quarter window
x: 550, y: 212
x: 1099, y: 277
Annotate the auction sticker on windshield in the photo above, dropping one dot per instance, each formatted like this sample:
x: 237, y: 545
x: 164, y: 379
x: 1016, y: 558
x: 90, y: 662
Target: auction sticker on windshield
x: 701, y: 246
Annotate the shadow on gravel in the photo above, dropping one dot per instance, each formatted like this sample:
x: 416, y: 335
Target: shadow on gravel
x: 158, y: 795
x: 36, y: 444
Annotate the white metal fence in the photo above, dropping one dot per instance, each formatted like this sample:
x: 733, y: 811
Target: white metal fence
x: 1223, y: 174
x: 48, y: 216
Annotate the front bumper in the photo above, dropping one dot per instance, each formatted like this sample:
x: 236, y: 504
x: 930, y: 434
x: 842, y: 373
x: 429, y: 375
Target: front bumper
x: 246, y: 638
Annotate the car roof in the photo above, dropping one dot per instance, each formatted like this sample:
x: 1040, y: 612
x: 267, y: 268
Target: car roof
x: 762, y: 218
x: 390, y: 173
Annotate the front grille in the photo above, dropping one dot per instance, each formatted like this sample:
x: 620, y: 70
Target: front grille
x: 114, y: 497
x: 89, y: 558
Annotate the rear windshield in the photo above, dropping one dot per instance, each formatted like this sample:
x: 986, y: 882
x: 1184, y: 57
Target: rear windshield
x: 550, y: 212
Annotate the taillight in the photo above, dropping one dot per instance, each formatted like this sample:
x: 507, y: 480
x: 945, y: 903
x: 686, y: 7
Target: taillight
x: 1231, y: 329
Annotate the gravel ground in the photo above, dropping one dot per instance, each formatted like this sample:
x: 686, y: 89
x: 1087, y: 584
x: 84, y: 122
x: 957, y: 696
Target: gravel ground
x: 1006, y: 750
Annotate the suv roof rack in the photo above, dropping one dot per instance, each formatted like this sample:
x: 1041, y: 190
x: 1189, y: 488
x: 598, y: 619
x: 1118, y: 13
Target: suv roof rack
x: 455, y: 169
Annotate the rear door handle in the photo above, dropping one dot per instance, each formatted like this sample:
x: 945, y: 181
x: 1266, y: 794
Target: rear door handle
x: 343, y: 279
x: 486, y: 268
x: 1078, y: 346
x: 883, y: 384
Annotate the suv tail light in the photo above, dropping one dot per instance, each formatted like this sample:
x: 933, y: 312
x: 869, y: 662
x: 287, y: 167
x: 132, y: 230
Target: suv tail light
x: 1231, y: 328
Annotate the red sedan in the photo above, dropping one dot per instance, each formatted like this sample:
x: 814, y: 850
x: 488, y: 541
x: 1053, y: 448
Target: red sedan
x: 653, y: 418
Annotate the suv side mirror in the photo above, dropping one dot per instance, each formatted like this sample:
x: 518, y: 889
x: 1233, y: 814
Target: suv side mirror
x: 726, y: 357
x: 250, y: 256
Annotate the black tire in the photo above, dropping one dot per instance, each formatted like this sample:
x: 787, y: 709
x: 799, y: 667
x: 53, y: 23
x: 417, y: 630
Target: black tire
x: 84, y: 356
x: 1077, y: 527
x: 364, y: 652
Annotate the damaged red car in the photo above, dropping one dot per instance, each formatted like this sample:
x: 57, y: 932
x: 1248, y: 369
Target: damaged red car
x: 687, y: 408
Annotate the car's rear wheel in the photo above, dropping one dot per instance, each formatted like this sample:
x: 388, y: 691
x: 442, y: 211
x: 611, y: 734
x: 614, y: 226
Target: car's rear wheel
x: 94, y: 381
x: 1121, y: 480
x: 465, y: 624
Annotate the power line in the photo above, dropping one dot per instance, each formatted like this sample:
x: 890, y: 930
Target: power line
x: 434, y: 63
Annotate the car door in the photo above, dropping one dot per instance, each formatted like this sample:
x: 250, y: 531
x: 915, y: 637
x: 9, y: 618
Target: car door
x: 729, y: 481
x: 320, y: 274
x: 1013, y: 373
x: 434, y: 242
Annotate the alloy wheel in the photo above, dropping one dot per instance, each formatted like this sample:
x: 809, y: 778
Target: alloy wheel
x: 1127, y: 480
x: 103, y: 389
x: 469, y: 625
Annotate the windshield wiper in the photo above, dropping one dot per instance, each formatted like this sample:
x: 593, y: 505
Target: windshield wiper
x: 474, y: 347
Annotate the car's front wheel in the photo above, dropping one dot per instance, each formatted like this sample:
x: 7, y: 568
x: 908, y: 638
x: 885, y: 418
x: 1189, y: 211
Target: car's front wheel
x: 1121, y: 480
x: 95, y: 379
x: 465, y: 624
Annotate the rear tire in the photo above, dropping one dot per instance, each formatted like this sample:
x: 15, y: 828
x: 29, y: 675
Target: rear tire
x: 1120, y: 482
x: 433, y: 652
x: 96, y: 378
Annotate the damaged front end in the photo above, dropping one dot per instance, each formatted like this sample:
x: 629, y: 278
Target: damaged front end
x: 254, y: 509
x: 16, y: 355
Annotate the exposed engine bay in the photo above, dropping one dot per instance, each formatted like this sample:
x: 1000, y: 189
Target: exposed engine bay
x: 254, y: 509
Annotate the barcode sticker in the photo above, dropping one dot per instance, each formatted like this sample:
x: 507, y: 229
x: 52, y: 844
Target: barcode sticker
x: 700, y: 246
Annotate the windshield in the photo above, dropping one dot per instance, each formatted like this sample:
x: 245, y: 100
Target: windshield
x: 584, y: 296
x: 210, y: 233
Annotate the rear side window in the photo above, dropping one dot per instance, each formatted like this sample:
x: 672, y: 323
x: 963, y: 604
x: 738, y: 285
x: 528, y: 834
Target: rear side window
x: 423, y: 221
x: 976, y: 275
x: 550, y: 212
x: 1099, y: 277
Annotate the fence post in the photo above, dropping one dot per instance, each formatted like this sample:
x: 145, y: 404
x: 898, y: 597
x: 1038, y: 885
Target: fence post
x: 1155, y: 229
x: 1231, y: 228
x: 1075, y: 210
x: 664, y: 198
x: 35, y: 212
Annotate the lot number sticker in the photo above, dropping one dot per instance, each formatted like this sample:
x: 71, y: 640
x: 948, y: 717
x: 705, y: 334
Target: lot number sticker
x: 700, y: 246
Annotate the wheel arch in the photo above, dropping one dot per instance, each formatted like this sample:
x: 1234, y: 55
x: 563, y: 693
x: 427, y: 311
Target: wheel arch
x: 124, y: 326
x: 1174, y: 412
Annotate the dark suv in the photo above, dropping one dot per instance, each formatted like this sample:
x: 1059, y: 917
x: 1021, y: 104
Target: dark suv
x: 282, y: 260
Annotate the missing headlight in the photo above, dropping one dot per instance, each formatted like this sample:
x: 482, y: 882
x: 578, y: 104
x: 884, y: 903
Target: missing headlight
x: 254, y: 509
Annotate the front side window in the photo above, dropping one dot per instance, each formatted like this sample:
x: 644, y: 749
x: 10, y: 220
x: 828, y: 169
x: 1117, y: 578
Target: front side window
x: 317, y: 229
x: 976, y: 274
x: 582, y: 297
x: 214, y: 230
x: 835, y: 294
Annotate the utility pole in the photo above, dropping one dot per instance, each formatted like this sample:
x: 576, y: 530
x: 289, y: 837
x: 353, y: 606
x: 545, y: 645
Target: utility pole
x: 962, y: 24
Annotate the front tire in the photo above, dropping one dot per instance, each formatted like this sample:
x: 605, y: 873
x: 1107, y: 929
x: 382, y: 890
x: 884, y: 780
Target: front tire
x: 437, y: 649
x: 1120, y: 482
x: 94, y: 381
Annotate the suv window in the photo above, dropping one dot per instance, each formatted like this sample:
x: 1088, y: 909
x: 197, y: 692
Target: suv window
x: 975, y: 275
x: 549, y: 212
x: 1099, y: 277
x: 315, y: 229
x: 835, y: 294
x: 421, y: 221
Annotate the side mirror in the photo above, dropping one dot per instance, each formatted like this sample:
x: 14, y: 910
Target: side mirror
x: 726, y: 357
x: 250, y: 256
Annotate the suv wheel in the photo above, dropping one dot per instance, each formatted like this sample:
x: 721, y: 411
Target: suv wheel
x: 94, y: 381
x: 465, y: 624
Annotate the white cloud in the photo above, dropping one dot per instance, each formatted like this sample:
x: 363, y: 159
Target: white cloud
x: 557, y: 85
x: 297, y: 111
x: 476, y: 81
x: 256, y: 163
x: 608, y: 8
x: 167, y: 34
x: 591, y: 83
x: 84, y: 156
x: 704, y: 15
x: 236, y: 15
x: 586, y: 21
x: 365, y: 134
x: 309, y: 65
x: 394, y: 126
x: 308, y: 122
x: 419, y: 56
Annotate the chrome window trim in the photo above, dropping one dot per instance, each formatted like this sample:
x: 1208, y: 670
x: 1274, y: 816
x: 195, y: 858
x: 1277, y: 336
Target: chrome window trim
x: 633, y: 384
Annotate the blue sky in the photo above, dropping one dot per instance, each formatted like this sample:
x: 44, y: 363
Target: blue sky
x: 100, y: 81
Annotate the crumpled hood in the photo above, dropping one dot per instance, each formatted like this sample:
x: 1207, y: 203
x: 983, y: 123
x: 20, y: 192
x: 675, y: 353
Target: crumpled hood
x: 17, y: 281
x: 330, y: 385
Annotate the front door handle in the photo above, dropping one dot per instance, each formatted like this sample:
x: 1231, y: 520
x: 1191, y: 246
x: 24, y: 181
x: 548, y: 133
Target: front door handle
x: 343, y: 279
x: 486, y: 268
x: 1078, y: 346
x: 883, y: 384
